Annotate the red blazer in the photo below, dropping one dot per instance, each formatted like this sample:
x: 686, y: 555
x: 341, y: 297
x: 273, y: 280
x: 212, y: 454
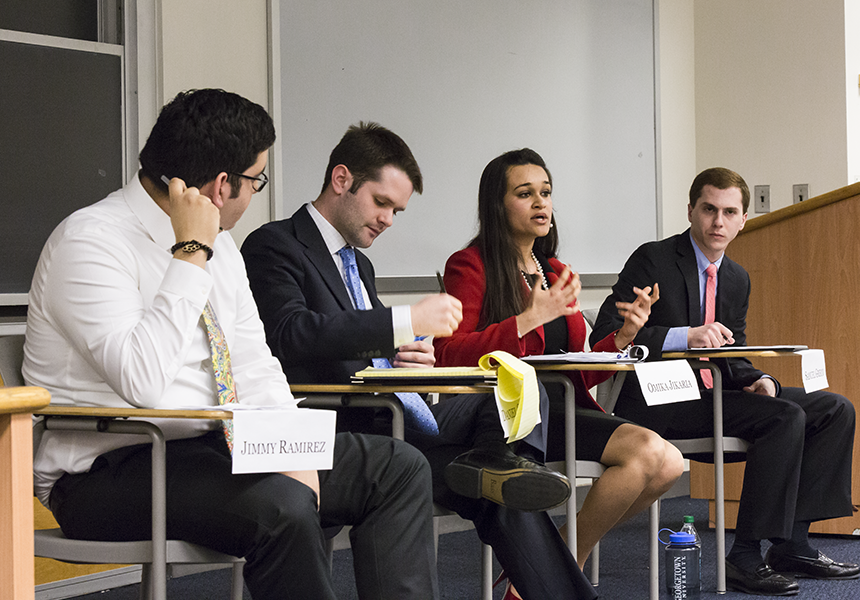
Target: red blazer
x: 464, y: 279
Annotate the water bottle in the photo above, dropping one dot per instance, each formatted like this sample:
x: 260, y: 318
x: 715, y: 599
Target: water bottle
x: 690, y: 528
x: 683, y: 558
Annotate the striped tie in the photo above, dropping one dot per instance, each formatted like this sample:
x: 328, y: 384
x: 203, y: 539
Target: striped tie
x: 416, y: 414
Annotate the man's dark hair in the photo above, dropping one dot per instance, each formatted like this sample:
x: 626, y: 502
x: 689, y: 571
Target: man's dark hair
x: 722, y: 179
x: 201, y: 133
x: 368, y: 147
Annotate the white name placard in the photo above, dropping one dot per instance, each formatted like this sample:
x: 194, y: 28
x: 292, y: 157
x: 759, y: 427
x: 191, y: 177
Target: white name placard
x: 667, y: 381
x: 272, y: 440
x: 812, y: 370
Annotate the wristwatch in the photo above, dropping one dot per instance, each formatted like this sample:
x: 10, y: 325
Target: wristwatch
x: 192, y: 246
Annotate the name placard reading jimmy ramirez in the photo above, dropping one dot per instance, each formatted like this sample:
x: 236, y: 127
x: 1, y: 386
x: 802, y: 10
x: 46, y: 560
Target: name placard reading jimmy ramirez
x: 667, y: 381
x: 275, y: 440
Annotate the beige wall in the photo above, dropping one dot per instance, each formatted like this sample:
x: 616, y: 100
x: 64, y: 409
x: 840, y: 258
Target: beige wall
x: 676, y: 102
x: 770, y: 92
x: 223, y: 44
x: 852, y: 87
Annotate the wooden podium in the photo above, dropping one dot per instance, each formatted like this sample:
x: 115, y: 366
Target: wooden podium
x: 804, y: 263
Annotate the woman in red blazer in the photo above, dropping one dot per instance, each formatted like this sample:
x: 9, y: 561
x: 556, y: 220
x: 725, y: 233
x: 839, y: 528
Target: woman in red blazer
x: 519, y: 298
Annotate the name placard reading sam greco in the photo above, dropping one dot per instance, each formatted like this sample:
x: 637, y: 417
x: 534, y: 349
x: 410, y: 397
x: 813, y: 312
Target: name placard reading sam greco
x: 275, y: 440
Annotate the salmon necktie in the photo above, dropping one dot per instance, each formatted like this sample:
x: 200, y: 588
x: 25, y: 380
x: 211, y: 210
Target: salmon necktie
x: 710, y: 306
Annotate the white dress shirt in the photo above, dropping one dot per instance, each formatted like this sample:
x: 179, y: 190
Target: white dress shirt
x: 115, y: 320
x: 401, y: 316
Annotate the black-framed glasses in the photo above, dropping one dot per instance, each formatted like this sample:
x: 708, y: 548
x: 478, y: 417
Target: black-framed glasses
x: 260, y: 181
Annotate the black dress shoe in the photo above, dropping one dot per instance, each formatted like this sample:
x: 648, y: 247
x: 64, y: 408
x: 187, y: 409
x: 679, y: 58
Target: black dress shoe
x: 820, y: 567
x: 506, y: 479
x: 763, y: 581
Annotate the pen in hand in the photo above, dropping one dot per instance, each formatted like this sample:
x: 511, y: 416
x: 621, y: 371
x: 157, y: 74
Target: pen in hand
x: 441, y: 283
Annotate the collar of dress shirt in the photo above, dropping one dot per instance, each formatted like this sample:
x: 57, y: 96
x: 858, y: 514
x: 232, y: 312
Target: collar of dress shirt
x: 154, y: 220
x: 702, y: 261
x: 334, y: 241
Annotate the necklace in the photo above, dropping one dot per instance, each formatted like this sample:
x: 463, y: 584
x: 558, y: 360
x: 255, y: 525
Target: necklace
x: 528, y: 278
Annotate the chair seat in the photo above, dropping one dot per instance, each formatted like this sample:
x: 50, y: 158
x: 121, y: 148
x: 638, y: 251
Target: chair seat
x: 51, y: 543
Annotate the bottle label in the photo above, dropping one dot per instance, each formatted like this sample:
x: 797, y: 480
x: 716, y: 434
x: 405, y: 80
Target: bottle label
x: 679, y: 578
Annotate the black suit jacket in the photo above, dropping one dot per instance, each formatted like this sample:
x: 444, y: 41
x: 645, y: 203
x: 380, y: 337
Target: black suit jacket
x: 310, y: 323
x: 672, y: 264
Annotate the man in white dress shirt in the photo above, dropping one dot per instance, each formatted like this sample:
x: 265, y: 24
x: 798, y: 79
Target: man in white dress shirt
x: 115, y: 320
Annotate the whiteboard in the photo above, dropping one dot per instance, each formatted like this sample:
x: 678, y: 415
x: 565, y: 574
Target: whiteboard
x: 463, y: 81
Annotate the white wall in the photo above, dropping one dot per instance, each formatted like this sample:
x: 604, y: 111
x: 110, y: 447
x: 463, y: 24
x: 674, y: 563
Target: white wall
x: 770, y: 92
x: 769, y: 88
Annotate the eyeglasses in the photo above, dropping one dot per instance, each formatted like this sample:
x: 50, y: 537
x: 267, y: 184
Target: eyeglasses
x: 259, y: 182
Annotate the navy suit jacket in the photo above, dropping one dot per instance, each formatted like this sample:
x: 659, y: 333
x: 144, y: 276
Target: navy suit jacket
x: 311, y: 325
x: 672, y: 264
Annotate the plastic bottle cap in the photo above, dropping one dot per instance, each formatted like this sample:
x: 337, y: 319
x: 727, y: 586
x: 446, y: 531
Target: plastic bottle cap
x: 682, y: 538
x: 689, y: 519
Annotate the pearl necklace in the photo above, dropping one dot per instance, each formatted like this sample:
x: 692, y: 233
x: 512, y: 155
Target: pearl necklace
x: 527, y: 279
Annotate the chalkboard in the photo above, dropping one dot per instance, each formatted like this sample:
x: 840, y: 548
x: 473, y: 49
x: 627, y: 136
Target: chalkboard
x: 463, y: 82
x: 60, y: 147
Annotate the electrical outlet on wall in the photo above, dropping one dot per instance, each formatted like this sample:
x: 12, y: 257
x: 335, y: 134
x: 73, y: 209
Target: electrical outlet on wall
x: 762, y: 198
x: 800, y: 192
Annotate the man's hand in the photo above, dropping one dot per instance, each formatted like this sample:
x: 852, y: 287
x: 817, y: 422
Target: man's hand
x: 712, y: 335
x: 547, y: 305
x: 193, y: 215
x: 438, y: 315
x: 309, y: 478
x: 764, y: 386
x: 417, y: 354
x: 635, y: 314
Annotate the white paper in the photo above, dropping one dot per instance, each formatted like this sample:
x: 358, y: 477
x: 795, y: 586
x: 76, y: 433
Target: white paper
x: 275, y: 440
x: 812, y: 370
x: 668, y: 381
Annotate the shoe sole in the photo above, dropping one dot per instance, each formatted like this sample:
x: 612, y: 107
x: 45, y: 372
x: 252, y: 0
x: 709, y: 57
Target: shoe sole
x: 746, y: 590
x: 798, y: 575
x: 520, y: 489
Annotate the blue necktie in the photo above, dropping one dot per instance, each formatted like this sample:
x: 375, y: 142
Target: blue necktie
x: 416, y: 414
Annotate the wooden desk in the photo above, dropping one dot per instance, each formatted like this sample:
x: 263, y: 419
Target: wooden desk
x: 115, y: 420
x: 16, y: 489
x: 702, y: 474
x: 375, y: 395
x: 554, y: 374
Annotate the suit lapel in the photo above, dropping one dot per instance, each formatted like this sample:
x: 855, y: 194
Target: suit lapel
x: 727, y: 282
x: 317, y: 253
x: 686, y: 262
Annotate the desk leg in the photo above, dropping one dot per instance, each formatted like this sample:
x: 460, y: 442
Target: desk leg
x: 719, y: 478
x: 719, y: 473
x: 569, y: 449
x: 16, y: 498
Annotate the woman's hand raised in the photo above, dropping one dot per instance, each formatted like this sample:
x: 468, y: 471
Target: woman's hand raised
x: 635, y: 314
x: 561, y: 299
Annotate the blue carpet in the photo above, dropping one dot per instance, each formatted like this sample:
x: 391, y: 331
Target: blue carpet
x: 623, y: 569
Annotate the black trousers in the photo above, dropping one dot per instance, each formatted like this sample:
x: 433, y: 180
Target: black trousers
x: 378, y: 485
x: 527, y: 544
x: 799, y: 462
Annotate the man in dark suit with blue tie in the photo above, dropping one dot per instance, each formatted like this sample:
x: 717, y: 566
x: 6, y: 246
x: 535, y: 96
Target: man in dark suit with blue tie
x: 799, y: 463
x: 325, y: 322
